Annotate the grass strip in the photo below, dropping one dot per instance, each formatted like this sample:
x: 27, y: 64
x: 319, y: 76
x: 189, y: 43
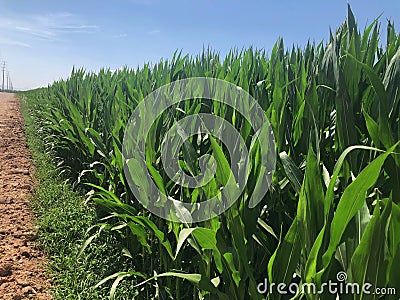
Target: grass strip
x: 63, y: 220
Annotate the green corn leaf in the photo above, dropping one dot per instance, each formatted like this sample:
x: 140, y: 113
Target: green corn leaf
x: 292, y: 171
x: 384, y: 127
x: 289, y: 251
x: 310, y: 208
x: 369, y: 262
x: 351, y: 201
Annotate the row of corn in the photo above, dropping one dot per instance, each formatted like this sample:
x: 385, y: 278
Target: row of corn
x: 334, y: 201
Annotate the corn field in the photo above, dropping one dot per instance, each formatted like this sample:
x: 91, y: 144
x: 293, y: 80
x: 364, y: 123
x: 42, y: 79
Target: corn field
x: 334, y: 201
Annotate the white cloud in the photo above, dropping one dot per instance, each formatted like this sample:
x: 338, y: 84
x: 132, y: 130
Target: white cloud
x: 23, y: 28
x: 36, y: 32
x: 75, y: 28
x: 6, y: 41
x: 155, y: 31
x: 49, y: 27
x: 120, y: 36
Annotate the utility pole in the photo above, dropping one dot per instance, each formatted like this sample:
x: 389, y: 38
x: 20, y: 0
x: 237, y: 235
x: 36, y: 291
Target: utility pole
x: 3, y: 67
x: 8, y: 79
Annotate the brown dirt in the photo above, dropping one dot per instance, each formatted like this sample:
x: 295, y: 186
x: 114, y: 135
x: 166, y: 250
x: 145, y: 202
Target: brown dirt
x: 21, y: 262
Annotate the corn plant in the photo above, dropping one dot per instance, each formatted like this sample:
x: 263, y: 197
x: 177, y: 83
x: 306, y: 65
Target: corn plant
x: 334, y: 201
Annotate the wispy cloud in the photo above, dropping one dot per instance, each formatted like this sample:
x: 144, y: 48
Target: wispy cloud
x: 50, y: 27
x: 75, y: 28
x: 6, y: 41
x: 155, y: 31
x: 23, y: 28
x: 36, y: 32
x: 119, y: 36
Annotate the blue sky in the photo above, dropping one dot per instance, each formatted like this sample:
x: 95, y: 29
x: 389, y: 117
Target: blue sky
x: 42, y: 40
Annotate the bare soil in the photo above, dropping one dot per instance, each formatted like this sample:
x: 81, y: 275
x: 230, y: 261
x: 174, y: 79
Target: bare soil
x: 21, y: 261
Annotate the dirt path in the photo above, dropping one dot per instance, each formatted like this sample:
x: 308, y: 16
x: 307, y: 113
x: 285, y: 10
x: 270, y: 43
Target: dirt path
x: 21, y: 271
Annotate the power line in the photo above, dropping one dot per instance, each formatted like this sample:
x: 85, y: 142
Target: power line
x: 9, y: 82
x: 11, y: 85
x: 3, y: 69
x: 6, y: 84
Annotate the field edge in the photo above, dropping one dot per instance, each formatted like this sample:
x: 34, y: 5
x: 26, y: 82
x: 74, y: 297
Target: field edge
x: 63, y: 221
